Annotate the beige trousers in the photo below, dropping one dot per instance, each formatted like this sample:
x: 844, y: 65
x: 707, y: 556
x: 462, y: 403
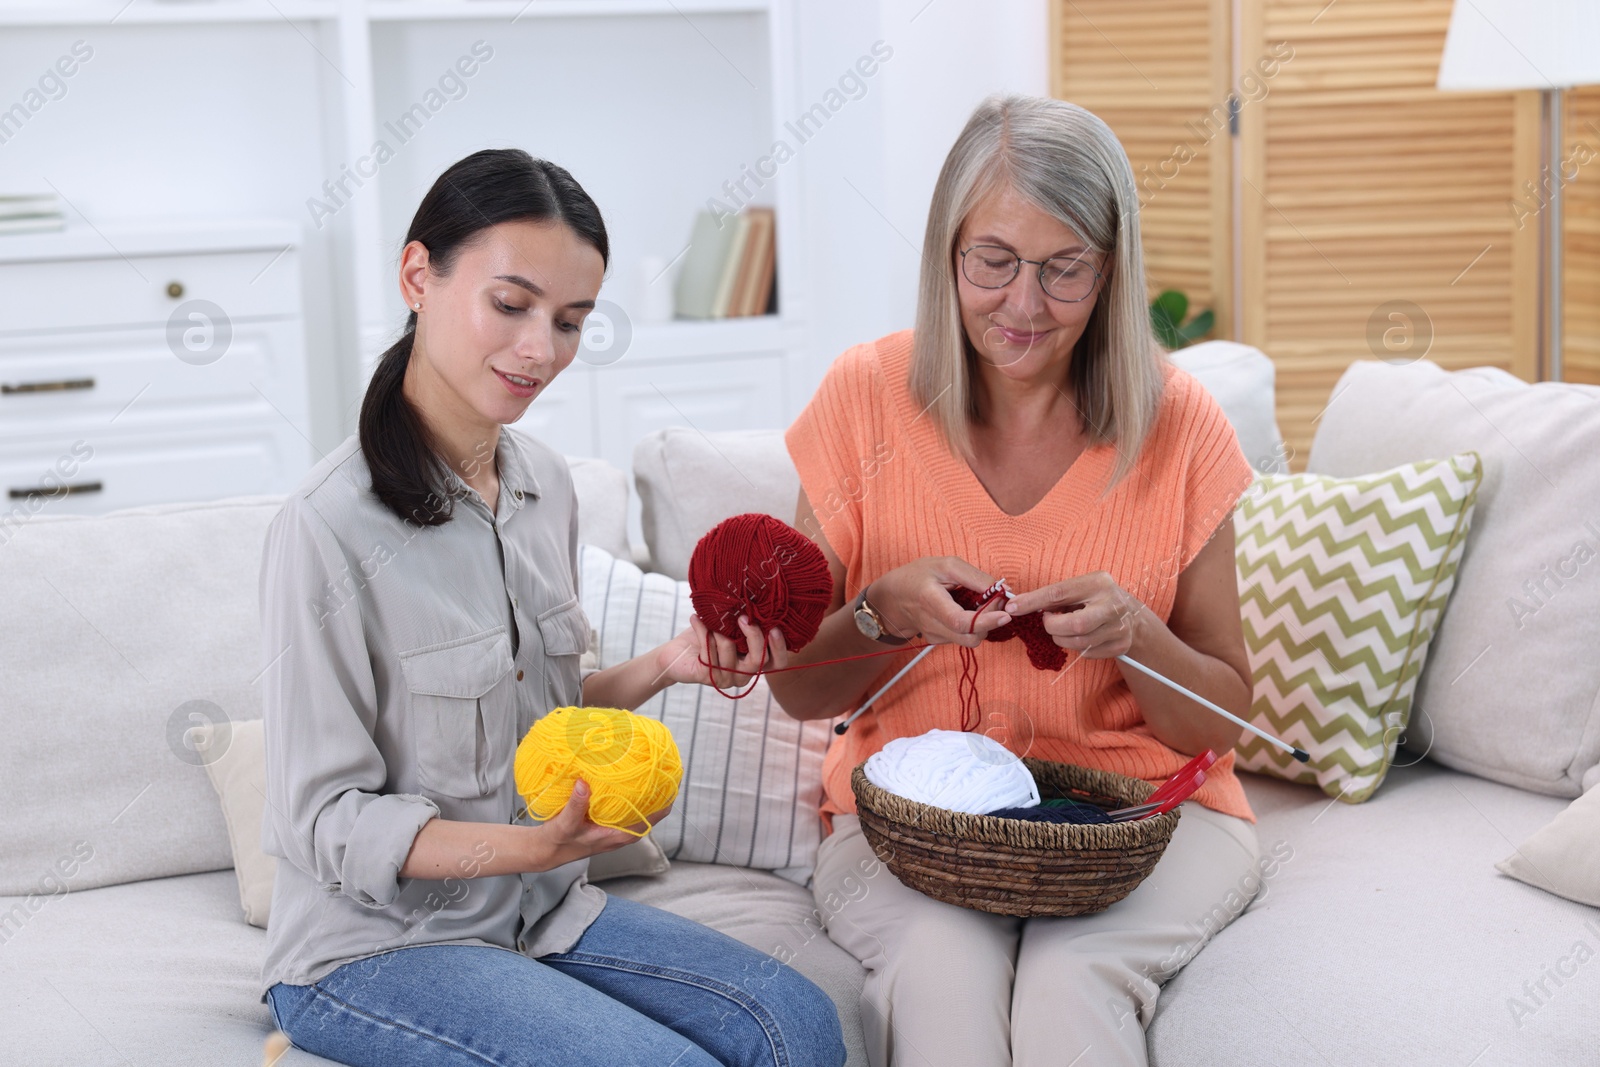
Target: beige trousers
x: 952, y: 987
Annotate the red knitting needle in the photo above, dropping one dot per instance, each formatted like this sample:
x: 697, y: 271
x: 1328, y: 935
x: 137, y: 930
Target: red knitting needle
x: 1182, y: 793
x: 1201, y: 762
x: 1152, y: 808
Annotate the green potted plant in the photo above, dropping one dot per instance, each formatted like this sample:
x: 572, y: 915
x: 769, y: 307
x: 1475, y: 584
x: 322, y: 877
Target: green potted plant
x: 1167, y: 314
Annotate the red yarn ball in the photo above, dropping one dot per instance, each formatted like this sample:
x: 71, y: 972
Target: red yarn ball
x: 756, y: 565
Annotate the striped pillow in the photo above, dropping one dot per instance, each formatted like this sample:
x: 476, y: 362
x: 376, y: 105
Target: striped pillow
x: 1341, y: 585
x: 752, y: 776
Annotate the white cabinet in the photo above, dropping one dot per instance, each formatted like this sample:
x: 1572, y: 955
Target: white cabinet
x: 736, y: 393
x: 563, y: 416
x: 150, y: 364
x: 659, y: 107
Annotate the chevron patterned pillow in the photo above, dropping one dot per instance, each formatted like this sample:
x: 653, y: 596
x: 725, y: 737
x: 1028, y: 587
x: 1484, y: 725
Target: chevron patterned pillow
x: 1341, y: 585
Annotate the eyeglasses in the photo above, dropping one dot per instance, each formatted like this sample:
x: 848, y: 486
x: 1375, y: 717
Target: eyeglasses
x: 1068, y: 279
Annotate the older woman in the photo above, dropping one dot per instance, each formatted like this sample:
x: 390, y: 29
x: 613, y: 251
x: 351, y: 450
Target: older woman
x: 1030, y: 429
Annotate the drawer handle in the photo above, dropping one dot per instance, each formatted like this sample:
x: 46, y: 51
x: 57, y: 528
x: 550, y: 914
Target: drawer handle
x: 62, y: 386
x: 64, y: 490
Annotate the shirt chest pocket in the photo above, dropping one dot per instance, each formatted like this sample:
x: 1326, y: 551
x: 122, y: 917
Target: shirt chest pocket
x: 564, y: 629
x: 462, y: 710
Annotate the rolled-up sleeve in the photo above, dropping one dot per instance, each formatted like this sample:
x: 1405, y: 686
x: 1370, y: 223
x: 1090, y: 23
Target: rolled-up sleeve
x: 324, y: 813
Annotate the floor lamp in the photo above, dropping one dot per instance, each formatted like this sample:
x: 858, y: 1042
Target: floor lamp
x: 1549, y: 45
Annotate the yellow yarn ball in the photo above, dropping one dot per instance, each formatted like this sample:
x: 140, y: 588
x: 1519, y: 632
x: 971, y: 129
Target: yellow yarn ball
x: 630, y: 762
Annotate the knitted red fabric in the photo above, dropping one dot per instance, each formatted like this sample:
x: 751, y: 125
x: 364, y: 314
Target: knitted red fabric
x: 1043, y: 652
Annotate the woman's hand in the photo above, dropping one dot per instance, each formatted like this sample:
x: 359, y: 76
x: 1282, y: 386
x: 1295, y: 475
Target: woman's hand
x: 570, y: 835
x: 679, y: 659
x: 914, y: 600
x: 1090, y: 614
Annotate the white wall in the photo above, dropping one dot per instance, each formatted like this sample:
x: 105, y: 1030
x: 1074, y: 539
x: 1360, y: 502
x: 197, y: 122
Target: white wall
x: 868, y: 188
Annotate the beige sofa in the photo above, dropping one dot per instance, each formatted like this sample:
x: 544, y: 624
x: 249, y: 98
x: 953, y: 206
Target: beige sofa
x: 1382, y: 934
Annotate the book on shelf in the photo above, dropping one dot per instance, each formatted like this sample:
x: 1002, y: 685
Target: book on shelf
x: 730, y: 267
x: 732, y: 264
x: 756, y: 265
x: 30, y: 213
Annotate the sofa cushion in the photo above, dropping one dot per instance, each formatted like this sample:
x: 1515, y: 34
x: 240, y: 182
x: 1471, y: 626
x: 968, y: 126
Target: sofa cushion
x: 1384, y: 935
x: 1341, y: 584
x: 155, y: 972
x: 1510, y: 690
x: 689, y: 481
x: 120, y: 634
x: 767, y: 913
x: 602, y: 504
x: 752, y: 776
x: 1243, y: 381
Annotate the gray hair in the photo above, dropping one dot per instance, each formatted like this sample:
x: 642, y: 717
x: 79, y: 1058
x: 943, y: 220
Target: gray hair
x: 1066, y: 161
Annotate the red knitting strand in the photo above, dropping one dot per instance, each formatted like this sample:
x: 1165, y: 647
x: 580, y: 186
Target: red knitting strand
x: 967, y: 687
x: 755, y: 675
x: 823, y: 662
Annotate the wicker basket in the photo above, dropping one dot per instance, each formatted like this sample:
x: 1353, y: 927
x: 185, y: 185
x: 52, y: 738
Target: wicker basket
x: 1012, y: 866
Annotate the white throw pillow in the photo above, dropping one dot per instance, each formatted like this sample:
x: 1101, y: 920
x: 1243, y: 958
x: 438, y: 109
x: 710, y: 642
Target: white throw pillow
x: 235, y: 755
x: 602, y: 503
x: 1563, y: 858
x: 119, y: 634
x: 752, y: 778
x: 1243, y: 380
x: 1509, y: 690
x: 689, y: 481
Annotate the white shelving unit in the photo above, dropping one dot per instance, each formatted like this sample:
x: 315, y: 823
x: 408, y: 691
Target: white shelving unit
x: 652, y: 104
x: 149, y: 364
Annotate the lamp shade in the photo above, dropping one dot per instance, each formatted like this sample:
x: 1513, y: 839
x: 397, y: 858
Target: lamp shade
x: 1521, y: 44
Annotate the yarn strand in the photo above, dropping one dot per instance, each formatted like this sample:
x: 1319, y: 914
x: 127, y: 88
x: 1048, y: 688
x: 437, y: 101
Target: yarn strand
x: 756, y: 674
x: 967, y: 686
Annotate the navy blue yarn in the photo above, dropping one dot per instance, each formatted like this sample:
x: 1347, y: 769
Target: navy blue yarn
x: 1056, y: 811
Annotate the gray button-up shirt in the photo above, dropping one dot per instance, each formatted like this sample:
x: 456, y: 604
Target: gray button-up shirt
x: 405, y: 663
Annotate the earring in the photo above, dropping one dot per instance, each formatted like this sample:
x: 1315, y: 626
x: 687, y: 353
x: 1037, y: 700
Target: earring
x: 417, y: 305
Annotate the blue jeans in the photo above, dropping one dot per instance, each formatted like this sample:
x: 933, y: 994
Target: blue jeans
x: 641, y: 988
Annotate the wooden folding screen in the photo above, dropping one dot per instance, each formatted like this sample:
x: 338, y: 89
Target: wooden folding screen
x: 1375, y: 216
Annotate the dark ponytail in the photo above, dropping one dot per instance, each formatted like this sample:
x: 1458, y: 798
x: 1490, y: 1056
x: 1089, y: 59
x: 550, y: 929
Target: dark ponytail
x: 493, y: 186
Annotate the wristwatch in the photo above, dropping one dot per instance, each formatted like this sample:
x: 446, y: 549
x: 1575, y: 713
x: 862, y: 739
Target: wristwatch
x: 869, y: 622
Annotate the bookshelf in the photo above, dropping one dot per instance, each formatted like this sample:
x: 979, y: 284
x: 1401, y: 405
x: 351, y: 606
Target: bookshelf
x: 652, y: 104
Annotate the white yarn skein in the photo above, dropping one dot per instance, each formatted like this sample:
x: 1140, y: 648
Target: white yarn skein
x: 957, y: 771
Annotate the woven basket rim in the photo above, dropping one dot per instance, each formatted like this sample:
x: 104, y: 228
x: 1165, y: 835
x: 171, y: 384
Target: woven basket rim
x: 1013, y: 833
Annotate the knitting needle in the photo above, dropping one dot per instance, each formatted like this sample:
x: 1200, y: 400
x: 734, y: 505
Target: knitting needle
x: 1299, y: 754
x: 842, y: 727
x: 990, y: 595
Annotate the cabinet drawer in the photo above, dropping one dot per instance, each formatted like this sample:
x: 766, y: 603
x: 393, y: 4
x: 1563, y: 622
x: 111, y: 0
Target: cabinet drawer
x: 122, y: 380
x: 81, y: 476
x: 69, y: 294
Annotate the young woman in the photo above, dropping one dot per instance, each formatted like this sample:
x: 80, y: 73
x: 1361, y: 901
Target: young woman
x: 419, y: 601
x: 1029, y: 428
